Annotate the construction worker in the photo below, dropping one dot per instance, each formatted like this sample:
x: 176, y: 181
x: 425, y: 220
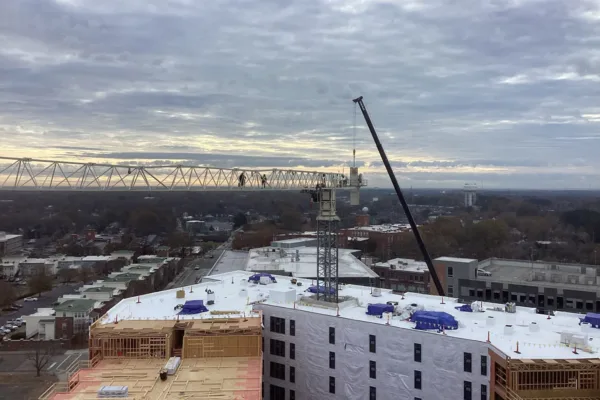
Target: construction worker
x: 263, y: 180
x: 242, y: 180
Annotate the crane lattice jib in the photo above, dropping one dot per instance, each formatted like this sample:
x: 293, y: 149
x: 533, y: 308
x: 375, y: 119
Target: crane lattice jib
x: 34, y: 174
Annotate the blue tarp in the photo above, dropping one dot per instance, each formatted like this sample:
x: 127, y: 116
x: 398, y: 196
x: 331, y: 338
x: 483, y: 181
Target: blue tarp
x: 256, y: 277
x: 320, y: 289
x: 591, y: 318
x: 379, y: 308
x: 193, y: 307
x: 434, y: 320
x: 465, y: 308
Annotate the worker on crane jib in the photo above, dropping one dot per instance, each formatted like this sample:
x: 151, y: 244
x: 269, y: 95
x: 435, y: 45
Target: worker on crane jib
x: 263, y: 180
x: 242, y: 180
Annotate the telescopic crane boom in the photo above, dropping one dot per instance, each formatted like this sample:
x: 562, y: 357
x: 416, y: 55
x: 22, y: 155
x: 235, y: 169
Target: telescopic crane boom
x: 413, y: 225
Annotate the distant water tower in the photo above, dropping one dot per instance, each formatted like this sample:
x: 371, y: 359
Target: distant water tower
x: 470, y: 191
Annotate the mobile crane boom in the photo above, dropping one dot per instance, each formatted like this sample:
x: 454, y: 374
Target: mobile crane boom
x: 411, y: 221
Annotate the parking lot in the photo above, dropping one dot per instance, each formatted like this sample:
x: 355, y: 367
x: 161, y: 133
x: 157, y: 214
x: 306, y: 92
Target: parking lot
x: 44, y: 301
x: 17, y: 361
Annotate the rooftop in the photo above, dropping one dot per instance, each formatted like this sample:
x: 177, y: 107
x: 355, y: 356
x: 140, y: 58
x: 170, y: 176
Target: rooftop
x: 7, y: 237
x: 126, y: 277
x: 404, y: 264
x: 227, y: 378
x: 75, y: 305
x: 456, y: 259
x: 99, y: 289
x: 384, y: 228
x: 547, y: 274
x: 284, y: 261
x: 233, y: 292
x: 97, y: 258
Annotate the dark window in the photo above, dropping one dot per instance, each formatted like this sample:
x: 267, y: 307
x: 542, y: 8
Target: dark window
x: 484, y: 365
x: 372, y: 369
x: 450, y: 272
x: 277, y: 325
x: 293, y: 374
x: 331, y: 335
x: 332, y: 384
x: 277, y: 371
x: 292, y: 394
x: 292, y: 327
x: 417, y: 352
x: 417, y: 398
x: 372, y: 344
x: 483, y: 392
x: 467, y: 390
x: 467, y: 362
x: 277, y: 348
x: 292, y: 351
x: 372, y: 393
x: 276, y: 393
x: 417, y: 379
x: 331, y: 360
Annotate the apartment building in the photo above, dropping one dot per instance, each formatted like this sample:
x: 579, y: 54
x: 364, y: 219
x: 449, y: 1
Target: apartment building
x: 373, y: 344
x: 10, y: 244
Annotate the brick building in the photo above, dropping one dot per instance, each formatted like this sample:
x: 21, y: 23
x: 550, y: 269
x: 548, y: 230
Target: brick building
x: 404, y: 275
x: 383, y: 238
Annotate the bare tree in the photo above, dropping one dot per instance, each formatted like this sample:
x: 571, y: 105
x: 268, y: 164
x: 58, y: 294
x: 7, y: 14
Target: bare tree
x: 7, y: 294
x: 85, y: 274
x: 40, y: 355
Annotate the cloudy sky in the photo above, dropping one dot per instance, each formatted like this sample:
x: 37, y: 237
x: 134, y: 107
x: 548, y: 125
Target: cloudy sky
x: 504, y: 93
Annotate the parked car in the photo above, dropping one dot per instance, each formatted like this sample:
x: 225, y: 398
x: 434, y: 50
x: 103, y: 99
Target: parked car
x: 30, y: 299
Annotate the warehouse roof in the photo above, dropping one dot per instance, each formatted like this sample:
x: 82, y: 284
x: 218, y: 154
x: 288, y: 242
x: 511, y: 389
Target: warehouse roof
x: 233, y: 293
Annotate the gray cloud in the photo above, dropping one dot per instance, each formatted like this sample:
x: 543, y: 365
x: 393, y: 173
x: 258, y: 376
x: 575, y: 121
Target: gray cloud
x: 501, y: 91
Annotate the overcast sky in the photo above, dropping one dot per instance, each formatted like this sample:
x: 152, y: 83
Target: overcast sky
x: 504, y: 93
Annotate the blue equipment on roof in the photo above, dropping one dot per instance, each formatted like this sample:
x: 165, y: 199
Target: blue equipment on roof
x: 379, y: 308
x: 434, y: 320
x: 193, y: 307
x: 256, y: 277
x: 465, y: 308
x: 320, y: 289
x: 591, y: 318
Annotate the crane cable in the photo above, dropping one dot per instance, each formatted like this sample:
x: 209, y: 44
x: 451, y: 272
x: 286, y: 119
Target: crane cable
x: 354, y: 139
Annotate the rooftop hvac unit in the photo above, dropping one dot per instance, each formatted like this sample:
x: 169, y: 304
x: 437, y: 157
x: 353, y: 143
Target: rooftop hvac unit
x: 534, y: 327
x: 490, y: 321
x: 509, y: 330
x: 210, y: 297
x: 574, y: 339
x: 376, y: 292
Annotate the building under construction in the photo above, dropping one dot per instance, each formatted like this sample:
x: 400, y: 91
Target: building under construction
x: 206, y: 343
x: 180, y: 356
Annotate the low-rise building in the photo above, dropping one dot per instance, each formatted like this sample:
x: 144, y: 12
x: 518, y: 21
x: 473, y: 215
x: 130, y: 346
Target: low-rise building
x: 290, y: 257
x: 385, y: 238
x: 10, y: 244
x: 403, y: 275
x: 547, y: 285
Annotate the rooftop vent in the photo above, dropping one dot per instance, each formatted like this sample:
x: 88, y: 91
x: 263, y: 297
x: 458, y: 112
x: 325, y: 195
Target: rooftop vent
x: 376, y: 292
x: 509, y: 330
x: 534, y: 327
x: 490, y: 321
x: 510, y: 308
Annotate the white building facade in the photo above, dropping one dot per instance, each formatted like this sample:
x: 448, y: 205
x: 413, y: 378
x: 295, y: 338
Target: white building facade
x: 314, y: 356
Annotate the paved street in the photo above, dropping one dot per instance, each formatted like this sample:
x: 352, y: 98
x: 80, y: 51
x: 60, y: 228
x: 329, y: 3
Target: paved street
x: 45, y: 301
x: 191, y: 275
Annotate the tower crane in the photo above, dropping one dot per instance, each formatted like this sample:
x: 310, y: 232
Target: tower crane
x: 434, y: 276
x: 28, y: 174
